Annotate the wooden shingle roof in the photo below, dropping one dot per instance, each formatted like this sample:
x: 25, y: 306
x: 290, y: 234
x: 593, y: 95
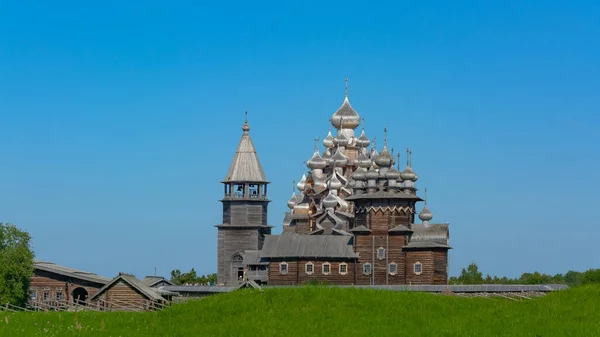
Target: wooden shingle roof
x: 245, y: 166
x: 134, y: 282
x: 309, y: 246
x: 69, y: 272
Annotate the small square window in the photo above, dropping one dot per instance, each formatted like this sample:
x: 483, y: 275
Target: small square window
x: 283, y: 268
x: 343, y: 268
x: 381, y: 253
x: 59, y: 296
x: 46, y: 296
x: 309, y: 268
x: 33, y: 295
x: 393, y: 268
x: 326, y: 268
x: 367, y: 269
x: 418, y: 268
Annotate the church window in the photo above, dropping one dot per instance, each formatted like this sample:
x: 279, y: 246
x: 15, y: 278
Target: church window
x: 343, y: 268
x: 33, y: 295
x: 326, y: 268
x: 283, y: 268
x: 309, y: 268
x: 367, y: 269
x: 59, y: 296
x: 393, y: 268
x: 46, y: 296
x: 381, y: 253
x: 418, y: 268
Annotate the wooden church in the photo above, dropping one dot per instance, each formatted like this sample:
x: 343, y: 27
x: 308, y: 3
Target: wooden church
x: 351, y: 222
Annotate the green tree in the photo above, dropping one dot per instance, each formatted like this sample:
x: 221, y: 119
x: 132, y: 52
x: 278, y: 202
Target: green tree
x: 471, y: 275
x: 16, y: 265
x: 191, y: 277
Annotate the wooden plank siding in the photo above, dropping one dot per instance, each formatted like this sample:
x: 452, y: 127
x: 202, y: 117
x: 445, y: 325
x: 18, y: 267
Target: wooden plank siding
x: 297, y: 275
x: 231, y: 241
x: 426, y: 260
x: 46, y: 282
x: 440, y: 269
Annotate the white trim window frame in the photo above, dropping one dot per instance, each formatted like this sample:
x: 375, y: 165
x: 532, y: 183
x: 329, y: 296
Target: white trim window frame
x: 311, y: 270
x: 283, y: 268
x: 418, y: 268
x: 393, y: 268
x: 328, y: 271
x: 367, y: 268
x: 345, y: 268
x: 380, y: 253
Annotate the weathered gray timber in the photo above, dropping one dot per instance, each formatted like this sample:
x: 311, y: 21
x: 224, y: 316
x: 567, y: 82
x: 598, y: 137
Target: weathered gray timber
x: 245, y: 206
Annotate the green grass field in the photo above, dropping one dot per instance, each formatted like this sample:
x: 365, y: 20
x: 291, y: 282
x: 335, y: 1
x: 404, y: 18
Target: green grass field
x: 322, y: 311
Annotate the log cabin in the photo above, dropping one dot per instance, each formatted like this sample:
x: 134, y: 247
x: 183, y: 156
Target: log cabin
x: 52, y: 283
x: 129, y: 293
x: 352, y: 220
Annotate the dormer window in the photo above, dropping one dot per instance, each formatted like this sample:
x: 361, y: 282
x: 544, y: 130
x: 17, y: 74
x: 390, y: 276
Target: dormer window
x: 283, y: 268
x: 381, y: 253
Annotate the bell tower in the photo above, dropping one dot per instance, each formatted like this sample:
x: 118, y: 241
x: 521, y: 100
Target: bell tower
x: 245, y: 205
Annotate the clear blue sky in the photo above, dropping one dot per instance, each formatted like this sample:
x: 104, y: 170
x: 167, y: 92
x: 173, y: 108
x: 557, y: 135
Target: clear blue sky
x: 119, y: 120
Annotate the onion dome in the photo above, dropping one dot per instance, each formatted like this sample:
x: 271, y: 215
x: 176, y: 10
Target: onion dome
x: 408, y: 174
x: 330, y: 201
x: 384, y: 159
x: 334, y: 183
x: 302, y: 183
x: 416, y: 177
x: 339, y: 159
x: 292, y: 202
x: 374, y: 153
x: 328, y: 141
x: 359, y: 174
x: 363, y: 141
x: 345, y: 117
x: 372, y: 174
x: 425, y: 214
x: 316, y: 162
x: 362, y: 160
x: 392, y: 174
x: 341, y: 140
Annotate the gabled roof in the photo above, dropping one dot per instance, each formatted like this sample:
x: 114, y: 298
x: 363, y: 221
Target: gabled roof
x: 310, y: 246
x: 151, y: 281
x: 70, y: 272
x: 245, y: 166
x: 148, y: 292
x: 430, y: 236
x: 252, y: 257
x: 400, y: 229
x: 360, y: 229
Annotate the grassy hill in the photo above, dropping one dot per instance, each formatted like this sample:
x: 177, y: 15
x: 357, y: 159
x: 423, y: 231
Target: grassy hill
x: 321, y: 311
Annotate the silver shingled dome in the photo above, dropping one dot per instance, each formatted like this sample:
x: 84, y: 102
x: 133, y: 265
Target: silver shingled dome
x: 328, y: 141
x: 316, y: 162
x: 345, y: 117
x: 425, y: 214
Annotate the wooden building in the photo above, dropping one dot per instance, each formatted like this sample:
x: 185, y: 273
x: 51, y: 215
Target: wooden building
x: 128, y: 292
x: 52, y: 284
x: 354, y: 199
x: 245, y: 205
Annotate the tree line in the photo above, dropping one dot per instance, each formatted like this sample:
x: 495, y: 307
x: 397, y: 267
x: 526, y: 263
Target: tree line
x: 472, y: 275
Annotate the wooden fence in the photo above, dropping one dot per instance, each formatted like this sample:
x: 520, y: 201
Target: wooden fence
x: 99, y: 305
